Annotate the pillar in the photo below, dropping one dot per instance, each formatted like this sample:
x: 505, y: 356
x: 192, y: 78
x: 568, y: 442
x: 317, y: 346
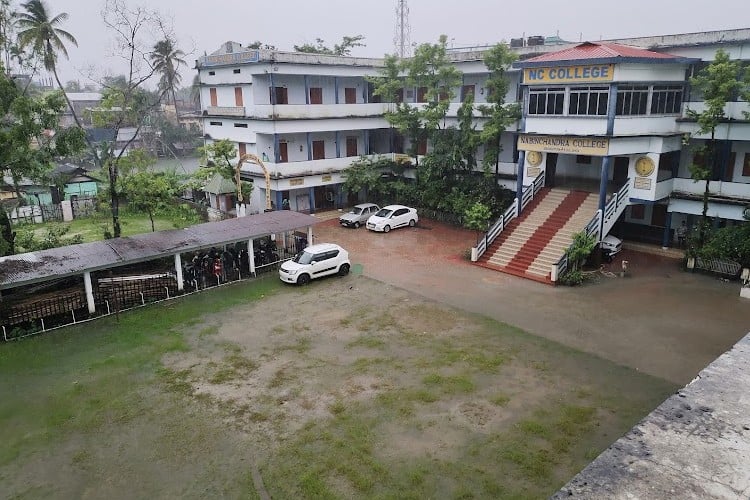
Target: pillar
x: 178, y: 271
x: 307, y: 89
x: 311, y: 192
x: 338, y: 146
x: 519, y: 179
x: 251, y: 257
x: 367, y: 142
x: 336, y: 89
x: 273, y: 89
x: 309, y: 146
x: 89, y: 292
x: 309, y: 235
x: 666, y: 241
x: 279, y: 200
x: 603, y: 180
x: 276, y: 153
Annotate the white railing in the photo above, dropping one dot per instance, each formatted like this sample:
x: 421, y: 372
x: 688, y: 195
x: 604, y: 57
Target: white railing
x: 510, y: 213
x: 598, y: 226
x: 615, y: 207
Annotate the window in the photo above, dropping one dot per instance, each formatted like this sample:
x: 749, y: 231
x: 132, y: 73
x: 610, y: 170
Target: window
x: 422, y: 94
x: 217, y: 124
x: 399, y: 97
x: 546, y: 100
x: 350, y: 95
x: 240, y: 125
x: 278, y: 95
x: 746, y: 166
x: 583, y: 160
x: 316, y: 95
x: 588, y: 101
x: 666, y: 99
x: 466, y: 90
x: 212, y: 95
x: 318, y: 150
x: 632, y: 100
x: 236, y: 71
x: 637, y: 212
x: 211, y: 73
x: 238, y: 96
x: 351, y: 146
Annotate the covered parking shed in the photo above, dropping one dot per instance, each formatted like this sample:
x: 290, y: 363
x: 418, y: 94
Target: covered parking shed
x: 54, y: 265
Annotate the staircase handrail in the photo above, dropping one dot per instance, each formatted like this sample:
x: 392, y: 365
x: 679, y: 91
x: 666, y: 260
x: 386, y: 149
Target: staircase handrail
x: 593, y: 228
x: 615, y: 207
x: 510, y: 213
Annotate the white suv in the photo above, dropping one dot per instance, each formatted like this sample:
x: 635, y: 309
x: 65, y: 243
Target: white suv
x: 315, y: 261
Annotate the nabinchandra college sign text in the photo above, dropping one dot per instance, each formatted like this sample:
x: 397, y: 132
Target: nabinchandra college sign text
x: 569, y: 74
x: 590, y: 146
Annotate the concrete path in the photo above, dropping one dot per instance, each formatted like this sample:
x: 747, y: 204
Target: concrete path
x: 659, y: 320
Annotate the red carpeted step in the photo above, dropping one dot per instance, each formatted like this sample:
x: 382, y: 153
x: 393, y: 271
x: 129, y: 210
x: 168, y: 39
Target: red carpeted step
x: 547, y: 230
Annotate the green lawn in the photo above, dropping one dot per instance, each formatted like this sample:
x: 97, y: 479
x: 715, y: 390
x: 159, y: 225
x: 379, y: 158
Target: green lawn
x: 193, y: 397
x: 92, y: 228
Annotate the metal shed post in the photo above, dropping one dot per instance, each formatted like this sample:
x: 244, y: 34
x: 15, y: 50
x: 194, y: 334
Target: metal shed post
x: 251, y: 257
x: 89, y: 292
x: 178, y: 271
x: 309, y: 235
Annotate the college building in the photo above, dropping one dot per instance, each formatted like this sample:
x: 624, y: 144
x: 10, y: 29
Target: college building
x: 602, y: 142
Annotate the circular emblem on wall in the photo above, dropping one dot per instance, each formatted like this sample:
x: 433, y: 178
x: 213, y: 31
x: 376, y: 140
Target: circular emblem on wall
x: 534, y: 158
x: 644, y: 166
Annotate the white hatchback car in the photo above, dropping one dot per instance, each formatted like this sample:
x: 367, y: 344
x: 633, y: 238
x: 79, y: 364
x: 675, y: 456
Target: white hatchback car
x: 391, y: 217
x: 315, y: 261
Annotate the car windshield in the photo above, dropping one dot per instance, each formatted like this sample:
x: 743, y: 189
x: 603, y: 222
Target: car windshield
x: 355, y: 211
x: 303, y: 257
x: 384, y: 213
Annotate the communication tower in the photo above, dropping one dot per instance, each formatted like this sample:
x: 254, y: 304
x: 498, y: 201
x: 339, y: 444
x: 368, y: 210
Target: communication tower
x: 402, y: 37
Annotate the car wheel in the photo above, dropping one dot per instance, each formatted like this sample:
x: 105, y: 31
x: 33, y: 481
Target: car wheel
x: 344, y: 270
x: 386, y: 229
x: 303, y: 279
x: 412, y: 223
x: 356, y: 225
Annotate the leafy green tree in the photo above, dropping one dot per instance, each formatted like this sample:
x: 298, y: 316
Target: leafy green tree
x: 167, y: 59
x: 729, y: 243
x: 150, y: 192
x: 7, y: 235
x: 219, y: 158
x: 499, y: 115
x: 477, y: 217
x: 342, y: 49
x: 720, y: 82
x: 257, y: 44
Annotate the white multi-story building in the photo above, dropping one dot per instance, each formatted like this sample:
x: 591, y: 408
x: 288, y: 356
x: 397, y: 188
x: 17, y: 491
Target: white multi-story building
x: 595, y: 116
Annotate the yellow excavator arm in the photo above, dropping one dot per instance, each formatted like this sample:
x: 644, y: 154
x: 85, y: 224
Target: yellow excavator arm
x: 251, y: 158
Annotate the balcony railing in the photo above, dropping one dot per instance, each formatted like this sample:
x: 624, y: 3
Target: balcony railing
x: 716, y: 188
x: 225, y: 110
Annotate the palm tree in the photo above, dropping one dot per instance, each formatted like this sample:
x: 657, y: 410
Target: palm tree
x: 167, y: 59
x: 40, y: 31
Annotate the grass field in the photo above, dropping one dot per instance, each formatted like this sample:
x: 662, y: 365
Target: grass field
x: 346, y: 388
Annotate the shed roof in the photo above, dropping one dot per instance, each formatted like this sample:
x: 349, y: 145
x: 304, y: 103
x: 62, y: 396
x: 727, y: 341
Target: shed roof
x: 601, y: 53
x: 44, y: 265
x: 220, y: 185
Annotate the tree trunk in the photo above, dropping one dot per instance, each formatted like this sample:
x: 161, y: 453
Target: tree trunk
x: 151, y: 218
x: 704, y: 215
x: 114, y: 200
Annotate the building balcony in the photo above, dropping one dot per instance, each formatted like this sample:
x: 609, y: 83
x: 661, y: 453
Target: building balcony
x: 717, y: 189
x: 732, y: 110
x: 304, y: 168
x: 316, y: 111
x: 225, y: 111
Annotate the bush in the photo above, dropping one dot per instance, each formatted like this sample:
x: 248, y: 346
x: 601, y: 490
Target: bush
x: 572, y: 277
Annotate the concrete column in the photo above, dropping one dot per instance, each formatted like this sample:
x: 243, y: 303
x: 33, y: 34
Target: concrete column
x: 276, y: 154
x: 251, y: 257
x: 367, y: 142
x: 89, y: 292
x: 519, y: 179
x: 273, y: 89
x: 338, y: 145
x: 309, y: 235
x: 603, y: 180
x: 279, y: 200
x: 666, y: 241
x: 336, y: 88
x: 178, y: 270
x: 611, y: 109
x: 307, y: 89
x: 309, y: 146
x: 311, y: 192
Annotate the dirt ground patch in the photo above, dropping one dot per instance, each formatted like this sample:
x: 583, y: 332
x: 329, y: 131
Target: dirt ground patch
x: 351, y: 387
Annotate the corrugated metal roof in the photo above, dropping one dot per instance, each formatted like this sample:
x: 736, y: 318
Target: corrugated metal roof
x: 220, y: 185
x: 35, y: 267
x: 601, y: 51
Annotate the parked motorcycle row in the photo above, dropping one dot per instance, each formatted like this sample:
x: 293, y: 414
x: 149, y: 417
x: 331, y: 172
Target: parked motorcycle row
x: 216, y: 266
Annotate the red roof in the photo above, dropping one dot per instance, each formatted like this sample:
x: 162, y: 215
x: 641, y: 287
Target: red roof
x: 600, y: 50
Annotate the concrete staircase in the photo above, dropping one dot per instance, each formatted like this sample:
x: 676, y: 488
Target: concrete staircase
x: 533, y: 242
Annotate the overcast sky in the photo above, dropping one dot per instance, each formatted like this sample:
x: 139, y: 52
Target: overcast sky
x: 201, y: 26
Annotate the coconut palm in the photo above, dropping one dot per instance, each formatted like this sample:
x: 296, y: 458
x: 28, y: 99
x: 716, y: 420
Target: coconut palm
x: 167, y: 59
x: 40, y: 31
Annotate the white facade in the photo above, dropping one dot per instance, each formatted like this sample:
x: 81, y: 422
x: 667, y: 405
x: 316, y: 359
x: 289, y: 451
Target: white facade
x: 309, y: 116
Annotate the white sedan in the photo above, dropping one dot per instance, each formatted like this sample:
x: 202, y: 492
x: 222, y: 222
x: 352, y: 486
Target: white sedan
x: 391, y: 217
